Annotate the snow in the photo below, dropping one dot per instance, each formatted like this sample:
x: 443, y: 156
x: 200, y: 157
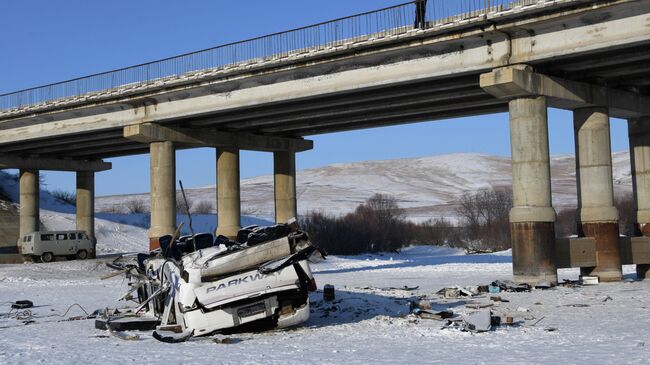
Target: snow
x: 365, y: 324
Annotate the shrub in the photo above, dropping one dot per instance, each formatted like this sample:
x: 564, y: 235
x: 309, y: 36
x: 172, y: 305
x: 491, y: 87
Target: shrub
x: 136, y: 206
x: 485, y: 218
x: 181, y: 206
x: 203, y: 207
x: 113, y: 209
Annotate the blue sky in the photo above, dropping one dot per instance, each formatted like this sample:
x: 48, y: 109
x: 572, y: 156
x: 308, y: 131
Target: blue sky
x: 49, y: 41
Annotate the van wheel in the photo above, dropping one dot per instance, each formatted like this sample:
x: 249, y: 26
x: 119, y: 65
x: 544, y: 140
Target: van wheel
x: 47, y: 257
x: 82, y: 254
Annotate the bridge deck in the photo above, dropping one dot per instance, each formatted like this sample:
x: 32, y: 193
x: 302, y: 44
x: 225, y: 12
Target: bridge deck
x: 413, y: 76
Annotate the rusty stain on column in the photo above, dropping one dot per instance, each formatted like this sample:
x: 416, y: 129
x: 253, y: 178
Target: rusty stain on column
x: 532, y: 216
x: 596, y: 212
x: 639, y: 135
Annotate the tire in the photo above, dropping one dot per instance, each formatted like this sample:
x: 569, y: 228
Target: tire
x: 82, y: 254
x: 47, y: 257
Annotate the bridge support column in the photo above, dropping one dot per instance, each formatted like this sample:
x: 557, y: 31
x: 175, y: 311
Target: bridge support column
x: 284, y: 164
x: 86, y: 206
x: 29, y: 202
x: 639, y: 133
x: 163, y: 191
x: 598, y: 217
x: 228, y: 192
x: 532, y: 217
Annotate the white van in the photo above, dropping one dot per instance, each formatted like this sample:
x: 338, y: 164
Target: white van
x: 46, y: 245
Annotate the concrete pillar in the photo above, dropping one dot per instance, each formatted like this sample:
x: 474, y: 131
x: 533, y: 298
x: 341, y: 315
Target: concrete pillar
x: 532, y: 216
x: 639, y: 133
x: 284, y: 165
x: 228, y: 193
x: 597, y: 216
x: 163, y: 191
x: 86, y: 206
x: 29, y: 202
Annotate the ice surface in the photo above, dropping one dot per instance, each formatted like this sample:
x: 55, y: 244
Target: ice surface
x: 365, y: 324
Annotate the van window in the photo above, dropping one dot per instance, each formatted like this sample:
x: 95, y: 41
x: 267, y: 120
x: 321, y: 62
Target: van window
x: 73, y: 236
x: 83, y: 236
x: 47, y: 237
x: 61, y: 236
x: 29, y: 238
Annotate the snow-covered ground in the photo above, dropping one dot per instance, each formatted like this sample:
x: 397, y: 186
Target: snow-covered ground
x: 601, y: 324
x: 426, y: 187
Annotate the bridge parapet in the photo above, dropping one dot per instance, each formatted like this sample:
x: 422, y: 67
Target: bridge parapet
x: 360, y: 30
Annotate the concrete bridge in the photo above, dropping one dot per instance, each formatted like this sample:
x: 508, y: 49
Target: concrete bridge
x: 397, y: 65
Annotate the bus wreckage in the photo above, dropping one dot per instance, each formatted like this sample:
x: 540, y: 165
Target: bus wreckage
x: 196, y: 285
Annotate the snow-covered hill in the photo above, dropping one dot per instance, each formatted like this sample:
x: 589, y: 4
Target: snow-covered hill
x: 426, y: 187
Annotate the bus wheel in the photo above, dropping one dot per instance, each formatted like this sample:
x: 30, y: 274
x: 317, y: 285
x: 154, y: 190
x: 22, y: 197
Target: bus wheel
x: 82, y: 254
x: 47, y: 257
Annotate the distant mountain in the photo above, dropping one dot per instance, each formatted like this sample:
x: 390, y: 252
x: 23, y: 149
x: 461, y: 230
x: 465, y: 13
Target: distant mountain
x: 426, y: 187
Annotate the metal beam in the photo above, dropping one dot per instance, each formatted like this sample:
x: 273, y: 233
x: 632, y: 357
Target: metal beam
x: 480, y: 110
x: 52, y: 164
x: 79, y: 146
x: 430, y: 110
x: 112, y: 151
x: 150, y: 132
x: 366, y: 108
x: 49, y: 142
x: 521, y: 81
x: 234, y: 120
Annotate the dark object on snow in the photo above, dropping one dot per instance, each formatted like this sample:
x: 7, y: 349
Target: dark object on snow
x: 22, y: 304
x: 127, y: 323
x: 480, y: 321
x: 227, y: 340
x: 496, y: 298
x: 328, y: 293
x: 438, y: 316
x: 510, y: 286
x: 172, y: 337
x: 543, y: 285
x: 495, y: 321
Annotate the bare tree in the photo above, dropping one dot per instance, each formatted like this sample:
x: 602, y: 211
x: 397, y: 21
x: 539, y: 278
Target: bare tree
x: 136, y: 206
x: 203, y: 207
x: 181, y: 206
x: 485, y: 216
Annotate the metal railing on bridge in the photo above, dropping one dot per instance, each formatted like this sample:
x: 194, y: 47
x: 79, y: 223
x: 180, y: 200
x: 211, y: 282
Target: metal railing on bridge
x: 394, y: 20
